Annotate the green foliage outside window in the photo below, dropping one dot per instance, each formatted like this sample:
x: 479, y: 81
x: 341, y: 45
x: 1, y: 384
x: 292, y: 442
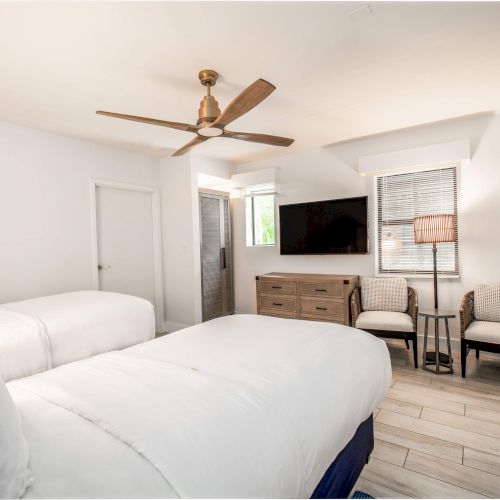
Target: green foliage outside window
x: 264, y: 220
x: 260, y: 220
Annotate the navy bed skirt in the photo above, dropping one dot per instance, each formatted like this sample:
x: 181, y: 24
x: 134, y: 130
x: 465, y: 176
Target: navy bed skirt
x: 343, y: 473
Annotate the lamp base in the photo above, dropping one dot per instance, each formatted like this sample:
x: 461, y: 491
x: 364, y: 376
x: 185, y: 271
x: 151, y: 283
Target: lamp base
x: 430, y: 358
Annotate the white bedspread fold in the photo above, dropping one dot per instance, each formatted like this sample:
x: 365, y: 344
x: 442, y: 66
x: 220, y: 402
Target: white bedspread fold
x: 73, y: 325
x: 24, y: 345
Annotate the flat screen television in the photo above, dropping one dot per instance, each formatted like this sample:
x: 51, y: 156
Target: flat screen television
x: 325, y: 227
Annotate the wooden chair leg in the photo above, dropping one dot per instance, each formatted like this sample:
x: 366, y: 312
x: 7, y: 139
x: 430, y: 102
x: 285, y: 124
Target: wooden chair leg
x: 477, y: 353
x: 463, y: 356
x: 407, y: 344
x: 415, y: 352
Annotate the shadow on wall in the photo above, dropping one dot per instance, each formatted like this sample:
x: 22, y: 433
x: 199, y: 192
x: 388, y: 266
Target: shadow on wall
x: 471, y: 127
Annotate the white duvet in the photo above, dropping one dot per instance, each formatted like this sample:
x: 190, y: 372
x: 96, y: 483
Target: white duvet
x: 241, y: 406
x: 46, y: 332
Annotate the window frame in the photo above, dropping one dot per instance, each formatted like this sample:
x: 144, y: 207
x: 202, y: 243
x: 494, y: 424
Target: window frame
x: 252, y: 194
x: 415, y: 274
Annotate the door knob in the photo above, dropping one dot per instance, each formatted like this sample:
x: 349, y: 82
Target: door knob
x: 102, y: 267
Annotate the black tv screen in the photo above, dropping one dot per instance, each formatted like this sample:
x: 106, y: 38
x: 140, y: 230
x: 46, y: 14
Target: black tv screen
x: 325, y: 227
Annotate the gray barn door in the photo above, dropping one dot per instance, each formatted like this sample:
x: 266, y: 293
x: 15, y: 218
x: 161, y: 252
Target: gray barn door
x: 216, y: 261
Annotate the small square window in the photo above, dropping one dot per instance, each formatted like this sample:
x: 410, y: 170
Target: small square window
x: 260, y: 219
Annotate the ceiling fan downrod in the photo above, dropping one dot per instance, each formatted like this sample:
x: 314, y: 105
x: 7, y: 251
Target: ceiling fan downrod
x: 209, y: 107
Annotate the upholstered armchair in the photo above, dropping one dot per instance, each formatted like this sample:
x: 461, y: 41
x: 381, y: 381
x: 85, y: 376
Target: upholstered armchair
x: 480, y: 321
x: 388, y: 324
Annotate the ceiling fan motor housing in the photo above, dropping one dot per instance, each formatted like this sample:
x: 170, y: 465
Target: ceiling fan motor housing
x: 209, y: 110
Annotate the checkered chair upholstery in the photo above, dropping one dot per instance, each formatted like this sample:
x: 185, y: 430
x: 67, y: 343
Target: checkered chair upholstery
x: 480, y: 321
x: 387, y: 308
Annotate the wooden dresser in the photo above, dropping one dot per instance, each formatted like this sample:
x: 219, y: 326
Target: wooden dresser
x: 320, y: 297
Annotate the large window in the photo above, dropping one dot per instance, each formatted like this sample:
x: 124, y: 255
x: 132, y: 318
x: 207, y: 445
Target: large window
x: 260, y: 211
x: 402, y: 197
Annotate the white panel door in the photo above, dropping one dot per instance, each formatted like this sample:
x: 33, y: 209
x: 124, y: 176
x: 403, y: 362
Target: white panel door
x: 125, y: 247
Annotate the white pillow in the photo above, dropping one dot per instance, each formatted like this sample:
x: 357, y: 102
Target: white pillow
x: 384, y: 294
x: 14, y: 453
x: 487, y: 302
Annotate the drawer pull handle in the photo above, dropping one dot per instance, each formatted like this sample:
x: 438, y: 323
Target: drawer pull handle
x: 321, y: 308
x: 274, y: 286
x: 277, y: 304
x: 320, y: 290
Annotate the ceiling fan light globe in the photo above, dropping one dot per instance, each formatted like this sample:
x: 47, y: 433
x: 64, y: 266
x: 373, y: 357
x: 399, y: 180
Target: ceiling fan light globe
x: 210, y: 131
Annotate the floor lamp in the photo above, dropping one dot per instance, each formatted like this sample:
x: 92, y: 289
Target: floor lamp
x: 439, y: 228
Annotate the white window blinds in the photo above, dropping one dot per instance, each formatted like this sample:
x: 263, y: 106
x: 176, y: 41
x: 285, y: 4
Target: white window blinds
x: 402, y: 197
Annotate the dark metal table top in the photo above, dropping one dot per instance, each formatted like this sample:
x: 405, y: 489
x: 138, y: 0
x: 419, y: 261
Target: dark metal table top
x: 437, y: 313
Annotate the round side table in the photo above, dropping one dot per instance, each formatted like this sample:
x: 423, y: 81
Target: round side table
x: 437, y: 358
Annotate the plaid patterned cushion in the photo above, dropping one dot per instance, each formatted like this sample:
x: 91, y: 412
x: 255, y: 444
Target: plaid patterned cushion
x: 384, y: 294
x: 487, y: 302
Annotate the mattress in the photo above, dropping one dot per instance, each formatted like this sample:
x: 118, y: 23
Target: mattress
x: 240, y: 406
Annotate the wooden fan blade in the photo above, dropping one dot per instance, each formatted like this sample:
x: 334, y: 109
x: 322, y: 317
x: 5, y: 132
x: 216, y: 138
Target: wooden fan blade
x: 151, y: 121
x: 273, y: 140
x: 190, y: 145
x: 246, y: 101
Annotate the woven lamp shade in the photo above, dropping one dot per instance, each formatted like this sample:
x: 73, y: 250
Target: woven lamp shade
x: 440, y: 228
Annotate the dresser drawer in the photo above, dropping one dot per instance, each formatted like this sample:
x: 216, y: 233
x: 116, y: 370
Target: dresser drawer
x: 279, y: 314
x: 327, y: 309
x: 278, y: 303
x: 278, y: 287
x: 321, y: 290
x: 313, y: 297
x: 329, y: 319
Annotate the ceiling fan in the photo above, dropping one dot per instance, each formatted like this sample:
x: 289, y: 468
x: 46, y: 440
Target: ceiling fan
x: 211, y: 122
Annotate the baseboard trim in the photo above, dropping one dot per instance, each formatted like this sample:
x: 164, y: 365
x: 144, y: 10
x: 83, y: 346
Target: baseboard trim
x: 171, y: 326
x: 455, y: 343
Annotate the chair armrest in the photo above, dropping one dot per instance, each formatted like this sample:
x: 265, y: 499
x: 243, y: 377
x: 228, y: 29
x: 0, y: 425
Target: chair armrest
x: 466, y: 312
x: 413, y: 306
x: 355, y: 305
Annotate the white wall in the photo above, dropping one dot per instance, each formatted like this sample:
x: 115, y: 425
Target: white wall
x: 181, y: 243
x: 331, y: 173
x: 178, y: 242
x: 45, y: 243
x: 45, y: 212
x: 45, y: 235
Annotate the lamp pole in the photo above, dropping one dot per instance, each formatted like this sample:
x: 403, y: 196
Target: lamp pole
x: 434, y: 257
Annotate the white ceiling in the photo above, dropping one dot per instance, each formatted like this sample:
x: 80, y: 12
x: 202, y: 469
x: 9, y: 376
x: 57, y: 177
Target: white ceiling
x: 339, y: 75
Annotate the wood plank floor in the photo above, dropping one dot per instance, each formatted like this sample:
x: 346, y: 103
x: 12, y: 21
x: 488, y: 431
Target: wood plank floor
x: 437, y: 436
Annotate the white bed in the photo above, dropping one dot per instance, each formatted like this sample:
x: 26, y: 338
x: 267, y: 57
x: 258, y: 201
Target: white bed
x: 241, y: 406
x: 42, y: 333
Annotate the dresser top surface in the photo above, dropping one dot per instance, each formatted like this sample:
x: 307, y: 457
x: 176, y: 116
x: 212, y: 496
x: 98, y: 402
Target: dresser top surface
x: 308, y: 277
